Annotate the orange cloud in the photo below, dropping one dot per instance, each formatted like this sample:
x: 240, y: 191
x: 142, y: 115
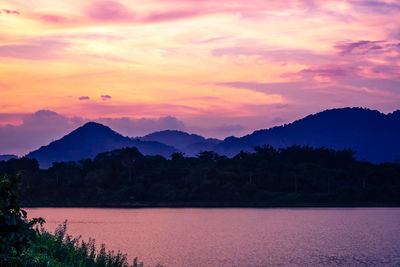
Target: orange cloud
x: 191, y: 59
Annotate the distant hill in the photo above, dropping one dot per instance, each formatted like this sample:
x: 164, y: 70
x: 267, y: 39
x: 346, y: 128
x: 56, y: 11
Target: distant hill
x: 90, y: 140
x: 191, y: 144
x: 395, y: 115
x: 7, y: 157
x: 373, y: 135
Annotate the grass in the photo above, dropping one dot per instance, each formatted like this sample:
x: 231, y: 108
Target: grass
x: 60, y: 249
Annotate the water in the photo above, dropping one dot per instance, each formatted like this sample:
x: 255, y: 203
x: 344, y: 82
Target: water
x: 240, y: 237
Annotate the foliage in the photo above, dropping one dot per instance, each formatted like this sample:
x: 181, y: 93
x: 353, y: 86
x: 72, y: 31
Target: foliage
x: 269, y: 176
x: 62, y: 249
x: 21, y: 244
x: 15, y: 229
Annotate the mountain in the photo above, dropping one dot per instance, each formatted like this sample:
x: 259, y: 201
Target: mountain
x: 395, y: 114
x: 7, y: 157
x: 190, y: 144
x: 90, y: 140
x: 373, y: 135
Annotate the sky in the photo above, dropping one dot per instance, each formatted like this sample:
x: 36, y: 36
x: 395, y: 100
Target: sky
x: 216, y: 68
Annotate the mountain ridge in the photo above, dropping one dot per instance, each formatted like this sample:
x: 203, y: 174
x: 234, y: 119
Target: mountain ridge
x: 342, y: 128
x: 89, y: 140
x: 371, y: 134
x: 188, y: 143
x: 6, y: 157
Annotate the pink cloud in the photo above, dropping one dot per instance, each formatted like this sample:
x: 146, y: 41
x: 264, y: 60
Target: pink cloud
x: 105, y: 97
x: 109, y: 11
x: 50, y: 18
x: 8, y: 11
x: 348, y: 89
x: 37, y: 129
x: 11, y: 118
x: 358, y: 48
x: 377, y: 6
x: 212, y: 40
x: 172, y: 15
x: 132, y: 109
x: 364, y: 47
x: 271, y: 53
x: 115, y: 11
x: 328, y: 71
x: 84, y: 98
x: 33, y: 50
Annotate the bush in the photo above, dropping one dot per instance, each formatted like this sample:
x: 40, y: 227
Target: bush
x: 16, y: 231
x: 62, y: 249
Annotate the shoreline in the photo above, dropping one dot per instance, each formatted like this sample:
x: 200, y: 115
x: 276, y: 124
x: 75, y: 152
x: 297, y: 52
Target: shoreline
x: 214, y: 205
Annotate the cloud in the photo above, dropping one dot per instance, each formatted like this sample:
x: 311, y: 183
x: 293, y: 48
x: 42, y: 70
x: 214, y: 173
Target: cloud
x: 118, y: 11
x: 172, y: 15
x: 378, y: 6
x: 364, y: 47
x: 358, y: 48
x: 53, y: 18
x: 8, y: 11
x: 84, y: 98
x: 117, y: 109
x: 11, y: 118
x: 347, y: 89
x: 270, y: 53
x: 33, y: 50
x: 37, y: 129
x: 105, y: 97
x: 212, y: 40
x: 284, y: 88
x: 170, y: 122
x: 107, y: 11
x: 334, y: 71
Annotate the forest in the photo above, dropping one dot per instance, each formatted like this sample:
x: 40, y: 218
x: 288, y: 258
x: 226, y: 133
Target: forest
x: 292, y: 176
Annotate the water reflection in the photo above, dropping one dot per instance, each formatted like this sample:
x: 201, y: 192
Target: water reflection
x: 240, y: 237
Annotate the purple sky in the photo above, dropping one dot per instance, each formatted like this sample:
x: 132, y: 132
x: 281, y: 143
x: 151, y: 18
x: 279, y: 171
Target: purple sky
x: 216, y: 68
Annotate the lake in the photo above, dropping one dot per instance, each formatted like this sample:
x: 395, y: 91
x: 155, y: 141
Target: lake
x: 240, y: 236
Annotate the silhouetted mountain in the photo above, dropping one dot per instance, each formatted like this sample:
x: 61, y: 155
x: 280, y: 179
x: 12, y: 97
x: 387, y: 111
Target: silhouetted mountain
x: 90, y: 140
x: 374, y: 136
x: 371, y: 134
x: 191, y: 144
x: 395, y: 115
x: 7, y: 157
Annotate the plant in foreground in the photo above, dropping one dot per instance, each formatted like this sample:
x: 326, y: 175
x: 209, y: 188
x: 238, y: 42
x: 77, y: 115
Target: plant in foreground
x: 24, y: 242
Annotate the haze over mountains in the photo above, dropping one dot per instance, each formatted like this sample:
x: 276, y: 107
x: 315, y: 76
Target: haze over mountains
x: 91, y: 139
x: 374, y: 137
x: 190, y: 144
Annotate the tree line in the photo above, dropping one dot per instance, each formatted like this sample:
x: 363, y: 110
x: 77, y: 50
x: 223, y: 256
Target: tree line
x: 288, y: 176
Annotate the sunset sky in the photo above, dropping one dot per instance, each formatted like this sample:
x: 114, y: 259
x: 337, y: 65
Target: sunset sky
x: 217, y: 68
